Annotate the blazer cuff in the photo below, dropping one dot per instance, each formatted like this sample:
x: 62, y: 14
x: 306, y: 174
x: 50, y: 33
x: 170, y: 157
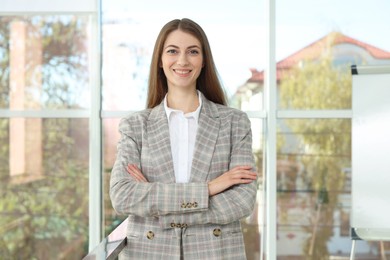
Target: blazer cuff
x: 194, y: 198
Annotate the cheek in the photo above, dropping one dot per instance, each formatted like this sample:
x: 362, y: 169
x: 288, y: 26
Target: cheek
x: 164, y: 65
x: 164, y: 62
x: 198, y: 63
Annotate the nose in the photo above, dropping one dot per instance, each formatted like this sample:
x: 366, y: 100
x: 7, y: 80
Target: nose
x: 182, y: 59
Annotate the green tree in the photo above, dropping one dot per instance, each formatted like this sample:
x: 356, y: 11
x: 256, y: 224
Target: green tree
x: 47, y: 218
x: 324, y: 143
x: 4, y: 93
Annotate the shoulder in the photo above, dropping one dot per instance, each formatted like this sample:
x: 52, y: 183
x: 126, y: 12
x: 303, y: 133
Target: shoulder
x: 221, y: 111
x: 135, y: 120
x: 230, y: 118
x: 232, y: 115
x: 138, y: 116
x: 225, y: 111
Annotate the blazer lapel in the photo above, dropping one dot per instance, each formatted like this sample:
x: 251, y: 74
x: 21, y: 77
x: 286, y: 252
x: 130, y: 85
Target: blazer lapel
x: 206, y: 138
x: 160, y: 144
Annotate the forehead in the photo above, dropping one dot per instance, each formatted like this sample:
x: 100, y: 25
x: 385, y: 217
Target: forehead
x: 181, y: 39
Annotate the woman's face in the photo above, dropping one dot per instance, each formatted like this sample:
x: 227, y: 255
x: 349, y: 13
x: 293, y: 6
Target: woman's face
x: 182, y: 60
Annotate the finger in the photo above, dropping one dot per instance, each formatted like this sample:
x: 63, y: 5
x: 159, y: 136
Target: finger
x: 240, y: 173
x: 249, y: 176
x: 242, y: 167
x: 130, y: 169
x: 242, y: 170
x: 245, y: 181
x: 252, y: 174
x: 135, y: 171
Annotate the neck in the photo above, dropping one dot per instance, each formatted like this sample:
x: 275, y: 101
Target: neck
x: 186, y: 101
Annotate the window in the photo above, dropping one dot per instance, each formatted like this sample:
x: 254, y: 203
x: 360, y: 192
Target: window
x: 45, y: 81
x: 56, y: 116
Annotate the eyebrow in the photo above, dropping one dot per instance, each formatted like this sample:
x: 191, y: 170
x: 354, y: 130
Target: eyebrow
x: 177, y: 47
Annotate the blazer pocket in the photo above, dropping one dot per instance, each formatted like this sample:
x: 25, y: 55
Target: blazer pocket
x: 215, y: 242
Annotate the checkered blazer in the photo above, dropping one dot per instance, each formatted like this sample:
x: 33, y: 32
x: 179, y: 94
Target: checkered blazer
x: 169, y: 220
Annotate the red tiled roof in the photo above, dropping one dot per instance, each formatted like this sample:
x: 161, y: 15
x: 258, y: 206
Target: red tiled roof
x: 374, y: 51
x: 313, y: 50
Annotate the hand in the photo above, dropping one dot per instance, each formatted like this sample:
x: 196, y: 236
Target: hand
x: 237, y: 175
x: 133, y: 170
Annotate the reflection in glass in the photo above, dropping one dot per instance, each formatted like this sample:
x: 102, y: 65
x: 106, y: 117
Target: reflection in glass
x: 44, y: 188
x: 315, y: 84
x: 314, y: 191
x: 316, y: 46
x: 110, y: 137
x: 253, y: 225
x: 313, y: 171
x: 44, y: 62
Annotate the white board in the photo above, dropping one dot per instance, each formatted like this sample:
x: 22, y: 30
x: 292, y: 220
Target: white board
x: 370, y: 213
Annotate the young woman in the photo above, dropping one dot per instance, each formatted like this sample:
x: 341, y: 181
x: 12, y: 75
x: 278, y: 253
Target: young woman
x: 184, y: 171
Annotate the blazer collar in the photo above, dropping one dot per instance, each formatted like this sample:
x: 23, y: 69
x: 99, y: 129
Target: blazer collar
x: 206, y: 138
x: 160, y: 145
x: 207, y: 134
x: 209, y: 108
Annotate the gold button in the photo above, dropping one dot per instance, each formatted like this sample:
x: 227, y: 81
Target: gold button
x: 184, y: 225
x: 195, y: 204
x: 183, y: 205
x: 150, y: 235
x: 173, y: 224
x: 217, y: 232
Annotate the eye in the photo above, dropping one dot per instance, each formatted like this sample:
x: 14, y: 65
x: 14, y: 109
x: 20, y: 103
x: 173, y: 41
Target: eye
x: 193, y: 52
x: 171, y: 51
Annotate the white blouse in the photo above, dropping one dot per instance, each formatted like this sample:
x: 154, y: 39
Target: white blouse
x: 182, y: 130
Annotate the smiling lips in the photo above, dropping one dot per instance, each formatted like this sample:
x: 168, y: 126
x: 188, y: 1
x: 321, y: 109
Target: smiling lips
x: 182, y: 72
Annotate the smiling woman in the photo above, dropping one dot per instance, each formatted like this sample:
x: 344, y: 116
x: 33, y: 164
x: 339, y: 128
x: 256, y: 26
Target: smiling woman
x: 184, y: 166
x: 172, y: 52
x: 182, y: 62
x: 129, y: 31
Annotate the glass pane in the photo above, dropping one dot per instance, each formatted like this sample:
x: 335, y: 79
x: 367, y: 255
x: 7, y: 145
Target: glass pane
x: 44, y: 188
x: 253, y: 225
x: 314, y: 190
x: 44, y: 62
x: 130, y: 30
x: 317, y: 42
x: 110, y: 137
x: 44, y: 6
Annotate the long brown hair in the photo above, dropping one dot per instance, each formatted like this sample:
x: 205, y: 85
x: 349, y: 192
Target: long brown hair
x: 207, y: 82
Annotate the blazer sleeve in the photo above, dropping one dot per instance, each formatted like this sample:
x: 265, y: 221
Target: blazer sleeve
x: 234, y: 203
x: 129, y: 197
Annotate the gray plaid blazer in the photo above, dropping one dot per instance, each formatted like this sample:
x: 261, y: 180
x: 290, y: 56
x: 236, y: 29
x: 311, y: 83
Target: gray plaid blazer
x: 169, y: 220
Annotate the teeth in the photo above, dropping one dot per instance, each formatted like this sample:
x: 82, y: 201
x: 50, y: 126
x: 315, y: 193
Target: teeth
x: 182, y: 71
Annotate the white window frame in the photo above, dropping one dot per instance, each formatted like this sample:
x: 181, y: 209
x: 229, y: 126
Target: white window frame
x: 92, y: 9
x: 270, y: 114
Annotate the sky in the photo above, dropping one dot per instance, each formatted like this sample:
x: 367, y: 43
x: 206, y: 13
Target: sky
x: 237, y: 32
